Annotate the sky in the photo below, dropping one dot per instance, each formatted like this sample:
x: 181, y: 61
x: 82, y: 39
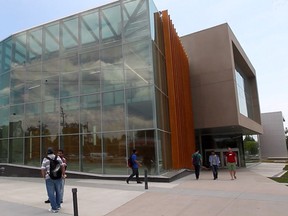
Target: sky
x: 261, y: 27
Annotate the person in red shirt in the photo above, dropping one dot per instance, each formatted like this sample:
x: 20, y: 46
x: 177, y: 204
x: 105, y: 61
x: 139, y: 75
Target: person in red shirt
x: 231, y: 161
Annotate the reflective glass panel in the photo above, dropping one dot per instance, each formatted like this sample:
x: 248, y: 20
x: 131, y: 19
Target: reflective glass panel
x: 113, y: 111
x: 32, y: 151
x: 35, y: 44
x: 20, y: 49
x: 51, y: 117
x: 140, y: 110
x: 51, y: 88
x: 111, y: 23
x: 16, y: 154
x: 4, y: 122
x: 32, y: 126
x: 69, y: 85
x: 7, y: 54
x: 90, y: 28
x: 136, y: 20
x: 3, y: 151
x: 52, y: 39
x: 90, y: 116
x: 5, y: 84
x: 69, y: 112
x: 16, y: 127
x: 70, y: 33
x: 70, y: 145
x: 114, y: 153
x: 92, y: 152
x: 91, y: 74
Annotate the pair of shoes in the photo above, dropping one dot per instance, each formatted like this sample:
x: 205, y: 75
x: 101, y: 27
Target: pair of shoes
x: 139, y: 182
x: 59, y: 208
x: 127, y: 181
x: 47, y: 201
x: 53, y: 210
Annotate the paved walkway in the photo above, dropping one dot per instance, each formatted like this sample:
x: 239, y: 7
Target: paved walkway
x: 252, y: 193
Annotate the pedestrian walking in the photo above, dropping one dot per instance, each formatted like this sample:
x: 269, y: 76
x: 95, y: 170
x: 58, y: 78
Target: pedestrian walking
x: 214, y: 164
x: 134, y: 166
x: 197, y: 162
x: 231, y: 161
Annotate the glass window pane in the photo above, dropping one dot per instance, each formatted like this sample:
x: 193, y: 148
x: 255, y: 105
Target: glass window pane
x: 90, y: 114
x: 33, y: 91
x: 52, y: 43
x: 70, y: 146
x: 3, y: 151
x: 91, y: 74
x: 114, y: 153
x: 16, y: 126
x: 32, y: 151
x: 113, y: 111
x: 70, y: 33
x: 50, y: 117
x: 20, y: 49
x: 51, y: 88
x: 92, y: 153
x: 32, y: 126
x: 90, y: 28
x: 140, y: 111
x: 112, y: 68
x: 5, y: 84
x: 16, y: 154
x: 4, y: 122
x: 111, y: 24
x: 136, y: 20
x: 7, y: 54
x: 69, y: 84
x: 51, y: 67
x: 69, y: 112
x: 35, y: 44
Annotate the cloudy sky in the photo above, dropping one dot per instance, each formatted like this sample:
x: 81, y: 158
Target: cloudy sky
x: 260, y: 26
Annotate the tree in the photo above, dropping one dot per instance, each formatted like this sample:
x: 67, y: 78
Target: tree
x: 250, y: 145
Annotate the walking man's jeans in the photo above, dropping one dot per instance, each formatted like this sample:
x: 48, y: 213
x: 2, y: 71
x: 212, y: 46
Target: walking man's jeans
x: 134, y: 173
x: 54, y: 192
x: 197, y: 170
x: 215, y: 171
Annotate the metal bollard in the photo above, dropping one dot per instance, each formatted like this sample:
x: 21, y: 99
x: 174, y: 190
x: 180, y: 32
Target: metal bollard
x: 146, y: 179
x: 75, y: 205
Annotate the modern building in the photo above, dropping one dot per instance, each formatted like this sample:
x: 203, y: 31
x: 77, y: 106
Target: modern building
x: 224, y: 91
x: 99, y: 83
x: 273, y: 140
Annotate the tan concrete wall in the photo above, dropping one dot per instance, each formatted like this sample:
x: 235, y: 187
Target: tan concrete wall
x: 211, y: 55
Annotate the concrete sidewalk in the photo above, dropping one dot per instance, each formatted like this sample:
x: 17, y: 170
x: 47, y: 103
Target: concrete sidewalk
x: 251, y: 194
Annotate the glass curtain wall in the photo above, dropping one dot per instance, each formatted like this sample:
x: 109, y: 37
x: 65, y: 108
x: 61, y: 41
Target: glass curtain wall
x: 86, y: 84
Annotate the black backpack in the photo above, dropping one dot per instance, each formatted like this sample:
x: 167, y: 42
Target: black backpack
x: 130, y: 161
x: 55, y: 171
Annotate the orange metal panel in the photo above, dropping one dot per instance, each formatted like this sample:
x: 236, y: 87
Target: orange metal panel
x: 179, y: 92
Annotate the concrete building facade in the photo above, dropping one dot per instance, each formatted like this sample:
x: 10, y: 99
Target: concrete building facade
x: 273, y: 140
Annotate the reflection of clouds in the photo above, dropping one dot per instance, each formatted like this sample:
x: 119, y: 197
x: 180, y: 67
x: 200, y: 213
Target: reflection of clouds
x: 5, y: 91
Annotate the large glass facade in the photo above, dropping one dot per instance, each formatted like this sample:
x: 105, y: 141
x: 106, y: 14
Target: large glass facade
x: 92, y: 84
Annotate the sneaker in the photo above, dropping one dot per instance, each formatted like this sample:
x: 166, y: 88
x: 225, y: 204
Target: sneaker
x: 47, y: 201
x: 127, y: 181
x: 53, y: 210
x: 139, y: 182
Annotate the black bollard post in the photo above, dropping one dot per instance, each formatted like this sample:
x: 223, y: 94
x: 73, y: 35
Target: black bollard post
x: 75, y: 205
x: 146, y: 179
